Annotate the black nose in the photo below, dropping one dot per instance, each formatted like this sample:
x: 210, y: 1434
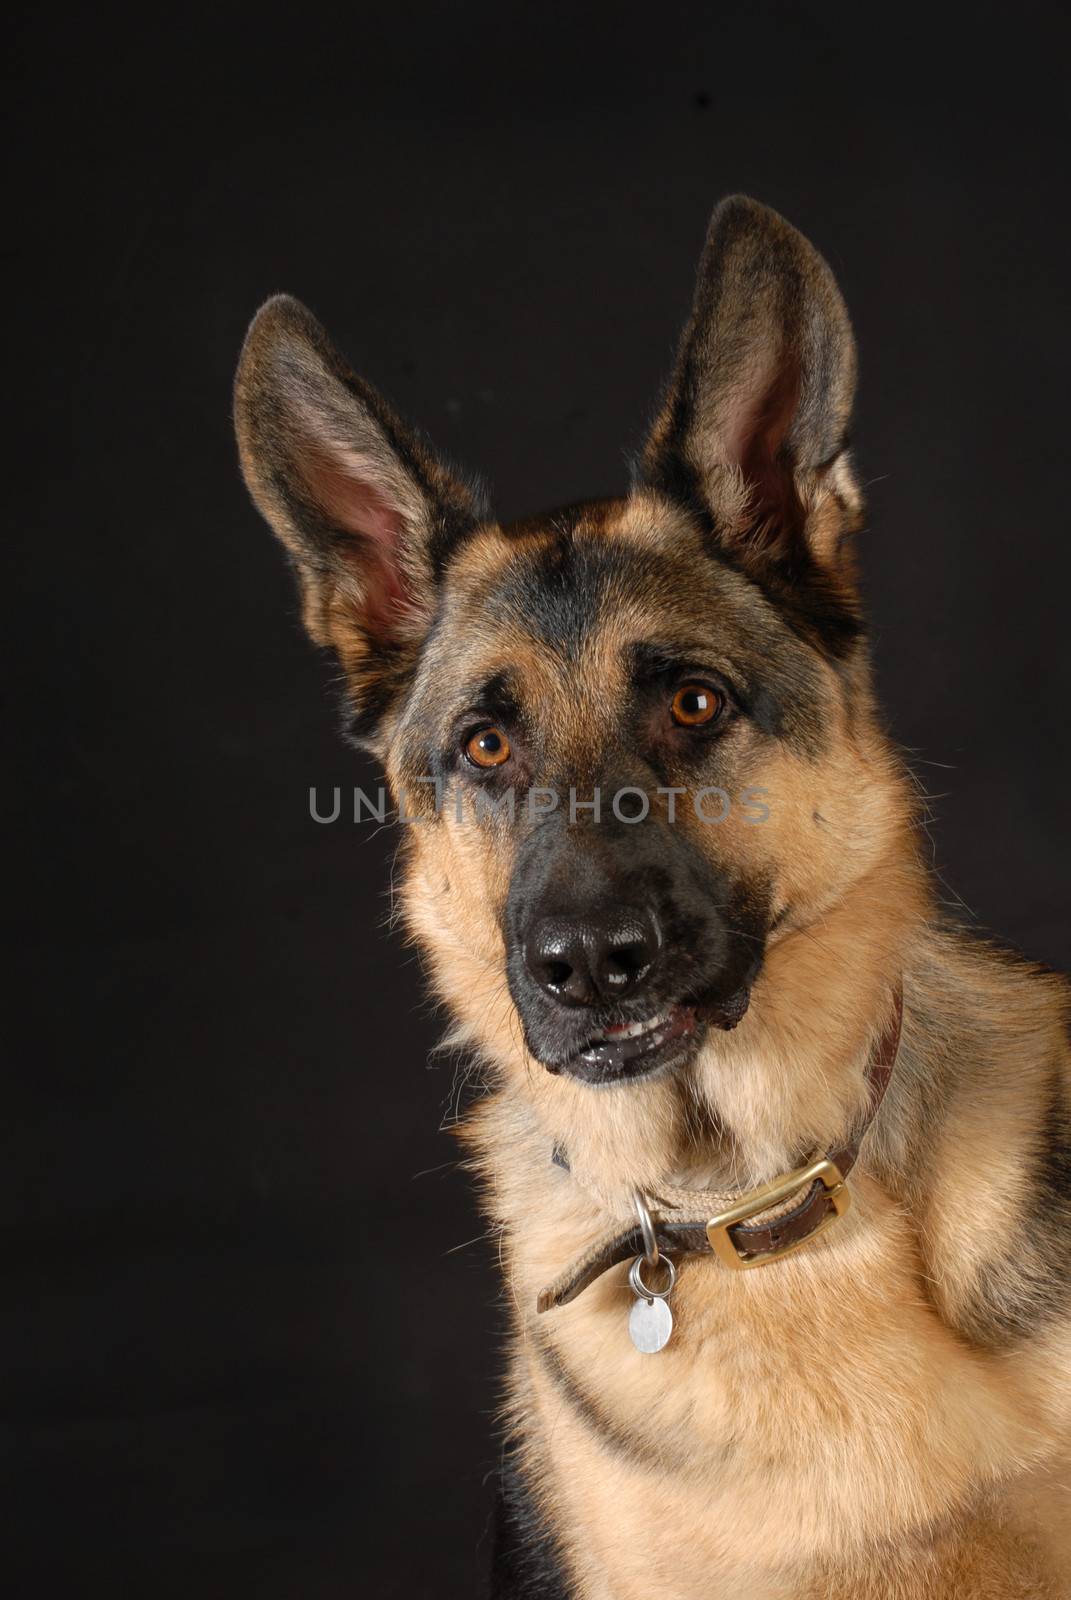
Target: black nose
x: 596, y: 958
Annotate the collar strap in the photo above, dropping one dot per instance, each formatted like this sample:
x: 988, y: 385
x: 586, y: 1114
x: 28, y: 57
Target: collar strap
x: 750, y: 1229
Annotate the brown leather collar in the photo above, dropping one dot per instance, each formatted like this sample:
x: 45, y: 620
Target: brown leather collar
x: 743, y: 1230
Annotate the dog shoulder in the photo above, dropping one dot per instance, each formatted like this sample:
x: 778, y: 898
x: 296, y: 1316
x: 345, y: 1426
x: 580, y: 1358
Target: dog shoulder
x: 994, y: 1168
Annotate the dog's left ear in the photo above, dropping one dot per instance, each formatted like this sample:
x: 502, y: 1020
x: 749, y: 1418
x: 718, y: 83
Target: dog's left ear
x: 752, y: 431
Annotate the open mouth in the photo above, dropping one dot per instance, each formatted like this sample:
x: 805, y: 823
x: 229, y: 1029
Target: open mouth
x: 668, y: 1038
x: 629, y: 1049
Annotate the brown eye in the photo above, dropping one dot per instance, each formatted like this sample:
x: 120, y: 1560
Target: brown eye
x: 694, y: 704
x: 488, y: 748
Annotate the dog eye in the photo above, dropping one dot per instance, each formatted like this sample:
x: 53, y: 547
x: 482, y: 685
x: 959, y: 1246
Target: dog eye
x: 488, y: 748
x: 694, y: 704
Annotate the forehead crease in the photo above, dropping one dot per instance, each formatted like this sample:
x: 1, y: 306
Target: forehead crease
x: 562, y: 591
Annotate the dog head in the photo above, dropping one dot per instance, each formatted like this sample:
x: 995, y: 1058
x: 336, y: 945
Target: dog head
x: 638, y: 733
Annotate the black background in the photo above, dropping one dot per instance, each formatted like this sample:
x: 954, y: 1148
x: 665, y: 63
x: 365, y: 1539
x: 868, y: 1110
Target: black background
x: 242, y: 1360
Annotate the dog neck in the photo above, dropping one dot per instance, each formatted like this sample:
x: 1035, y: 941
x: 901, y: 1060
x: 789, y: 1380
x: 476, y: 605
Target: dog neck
x: 742, y: 1229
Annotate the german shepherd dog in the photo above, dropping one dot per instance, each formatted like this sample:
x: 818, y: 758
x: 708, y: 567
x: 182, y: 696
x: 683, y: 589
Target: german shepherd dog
x: 676, y: 903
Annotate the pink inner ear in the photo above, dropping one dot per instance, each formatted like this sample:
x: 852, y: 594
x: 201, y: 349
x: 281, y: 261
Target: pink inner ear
x: 363, y: 507
x: 755, y: 443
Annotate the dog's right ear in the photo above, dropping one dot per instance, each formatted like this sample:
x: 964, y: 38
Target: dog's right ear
x: 368, y: 515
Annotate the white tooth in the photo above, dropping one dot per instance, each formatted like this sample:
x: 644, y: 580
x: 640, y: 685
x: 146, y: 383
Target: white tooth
x: 634, y: 1030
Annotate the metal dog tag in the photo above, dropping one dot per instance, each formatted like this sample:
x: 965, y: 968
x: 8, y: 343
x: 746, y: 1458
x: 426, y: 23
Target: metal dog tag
x: 650, y: 1323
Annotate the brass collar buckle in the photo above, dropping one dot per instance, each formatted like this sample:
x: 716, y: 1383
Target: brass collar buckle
x: 769, y: 1195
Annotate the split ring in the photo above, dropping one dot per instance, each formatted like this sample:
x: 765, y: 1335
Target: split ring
x: 640, y: 1288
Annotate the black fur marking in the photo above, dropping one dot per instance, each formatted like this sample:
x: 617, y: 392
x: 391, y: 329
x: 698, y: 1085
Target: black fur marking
x: 809, y: 600
x: 525, y: 1564
x: 497, y: 696
x: 364, y: 705
x: 1053, y: 1176
x: 560, y: 589
x: 671, y: 475
x: 629, y: 1446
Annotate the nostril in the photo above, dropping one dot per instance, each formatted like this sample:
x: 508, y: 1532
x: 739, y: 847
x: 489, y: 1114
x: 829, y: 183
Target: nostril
x: 628, y: 953
x: 630, y: 958
x: 626, y: 966
x: 555, y: 956
x: 556, y: 974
